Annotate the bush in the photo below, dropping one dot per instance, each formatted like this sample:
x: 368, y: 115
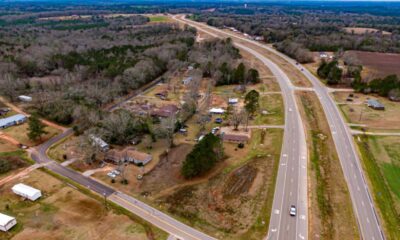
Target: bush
x: 5, y: 166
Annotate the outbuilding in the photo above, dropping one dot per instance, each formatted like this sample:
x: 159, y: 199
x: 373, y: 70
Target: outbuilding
x: 217, y: 111
x: 375, y: 104
x: 100, y: 143
x: 6, y: 222
x: 13, y: 120
x: 26, y: 191
x: 233, y: 101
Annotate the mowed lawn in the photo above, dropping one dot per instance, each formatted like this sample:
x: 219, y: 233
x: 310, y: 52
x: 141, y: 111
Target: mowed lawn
x: 381, y: 161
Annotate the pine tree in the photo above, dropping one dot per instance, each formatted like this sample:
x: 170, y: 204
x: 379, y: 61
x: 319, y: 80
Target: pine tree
x: 36, y: 128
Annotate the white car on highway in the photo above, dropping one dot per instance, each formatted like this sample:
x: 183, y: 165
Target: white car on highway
x: 292, y: 210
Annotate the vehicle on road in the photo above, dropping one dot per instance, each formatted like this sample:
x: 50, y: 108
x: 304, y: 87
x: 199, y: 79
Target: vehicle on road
x: 292, y: 210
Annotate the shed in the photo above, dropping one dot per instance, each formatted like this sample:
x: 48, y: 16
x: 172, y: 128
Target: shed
x: 375, y: 104
x: 26, y: 191
x: 187, y: 80
x: 6, y: 222
x: 217, y: 111
x: 24, y: 98
x: 13, y: 120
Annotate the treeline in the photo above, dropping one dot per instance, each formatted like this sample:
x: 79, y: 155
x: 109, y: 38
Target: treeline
x: 388, y: 86
x: 299, y: 31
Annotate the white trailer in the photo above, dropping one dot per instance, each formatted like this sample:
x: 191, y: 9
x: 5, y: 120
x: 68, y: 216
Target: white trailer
x: 24, y: 98
x: 27, y: 191
x: 6, y: 222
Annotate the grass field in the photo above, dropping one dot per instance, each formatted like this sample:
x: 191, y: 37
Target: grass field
x: 159, y: 18
x: 20, y: 134
x: 65, y: 213
x: 381, y: 161
x: 273, y: 104
x: 331, y: 214
x: 359, y: 113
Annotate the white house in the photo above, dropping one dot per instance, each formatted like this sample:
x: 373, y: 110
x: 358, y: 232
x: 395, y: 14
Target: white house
x: 26, y: 191
x: 217, y: 111
x: 24, y: 98
x: 6, y: 222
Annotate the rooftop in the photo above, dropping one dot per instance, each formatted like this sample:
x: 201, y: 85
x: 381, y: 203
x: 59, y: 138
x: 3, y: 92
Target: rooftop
x: 5, y: 219
x: 14, y: 118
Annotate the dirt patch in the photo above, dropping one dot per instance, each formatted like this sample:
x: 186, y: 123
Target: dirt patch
x: 240, y: 181
x: 167, y: 172
x: 361, y: 31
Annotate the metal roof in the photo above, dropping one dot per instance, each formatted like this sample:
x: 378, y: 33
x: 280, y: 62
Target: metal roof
x: 15, y: 118
x: 374, y: 103
x: 25, y: 189
x: 4, y: 219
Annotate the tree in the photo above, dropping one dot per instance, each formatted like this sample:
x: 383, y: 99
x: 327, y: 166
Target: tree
x: 5, y: 166
x: 253, y: 76
x: 203, y: 157
x: 237, y: 118
x: 239, y: 74
x: 36, y: 128
x: 251, y: 102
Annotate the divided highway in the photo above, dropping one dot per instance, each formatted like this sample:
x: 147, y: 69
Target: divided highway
x: 291, y: 185
x: 363, y: 205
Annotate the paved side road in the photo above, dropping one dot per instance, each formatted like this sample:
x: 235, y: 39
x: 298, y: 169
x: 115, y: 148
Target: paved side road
x: 144, y: 211
x: 291, y: 185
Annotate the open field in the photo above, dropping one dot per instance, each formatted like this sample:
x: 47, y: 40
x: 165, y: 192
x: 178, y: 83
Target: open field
x: 236, y: 202
x: 158, y: 18
x: 20, y: 134
x: 359, y: 113
x: 273, y: 104
x: 378, y: 64
x: 65, y: 213
x: 6, y: 146
x: 361, y: 30
x: 331, y: 214
x: 16, y: 159
x: 381, y: 162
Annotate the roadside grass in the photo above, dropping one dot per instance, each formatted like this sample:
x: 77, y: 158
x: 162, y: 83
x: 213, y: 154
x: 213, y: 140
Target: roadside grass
x: 331, y: 214
x: 384, y: 178
x: 273, y: 104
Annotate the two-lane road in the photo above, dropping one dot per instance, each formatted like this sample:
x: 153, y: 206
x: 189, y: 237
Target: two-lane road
x: 291, y: 184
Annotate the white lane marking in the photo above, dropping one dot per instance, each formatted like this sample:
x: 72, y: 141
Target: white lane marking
x: 358, y: 188
x: 273, y: 230
x: 302, y: 217
x: 333, y: 132
x: 284, y: 155
x: 367, y: 220
x: 301, y: 236
x: 290, y: 193
x: 303, y: 166
x: 283, y: 164
x: 276, y: 211
x: 287, y: 227
x: 303, y: 157
x: 362, y: 203
x: 292, y: 169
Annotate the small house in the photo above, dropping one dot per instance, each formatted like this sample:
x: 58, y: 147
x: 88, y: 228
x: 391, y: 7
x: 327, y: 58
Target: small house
x: 128, y: 155
x: 96, y: 141
x: 24, y: 98
x: 216, y: 111
x: 13, y: 120
x: 26, y: 191
x: 235, y: 138
x: 233, y: 101
x: 6, y: 222
x: 375, y: 104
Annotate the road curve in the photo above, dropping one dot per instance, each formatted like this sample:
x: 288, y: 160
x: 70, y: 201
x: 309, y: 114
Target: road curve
x: 363, y: 205
x: 291, y: 184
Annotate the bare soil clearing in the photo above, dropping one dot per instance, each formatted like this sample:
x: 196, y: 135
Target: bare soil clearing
x: 361, y: 30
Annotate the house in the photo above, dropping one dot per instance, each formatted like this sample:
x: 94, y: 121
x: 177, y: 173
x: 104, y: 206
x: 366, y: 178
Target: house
x: 187, y: 80
x: 258, y: 38
x: 13, y: 120
x: 128, y: 155
x: 6, y: 222
x: 24, y: 98
x: 235, y: 137
x: 100, y: 143
x: 216, y: 111
x: 26, y: 191
x: 375, y: 104
x: 165, y: 111
x: 233, y: 101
